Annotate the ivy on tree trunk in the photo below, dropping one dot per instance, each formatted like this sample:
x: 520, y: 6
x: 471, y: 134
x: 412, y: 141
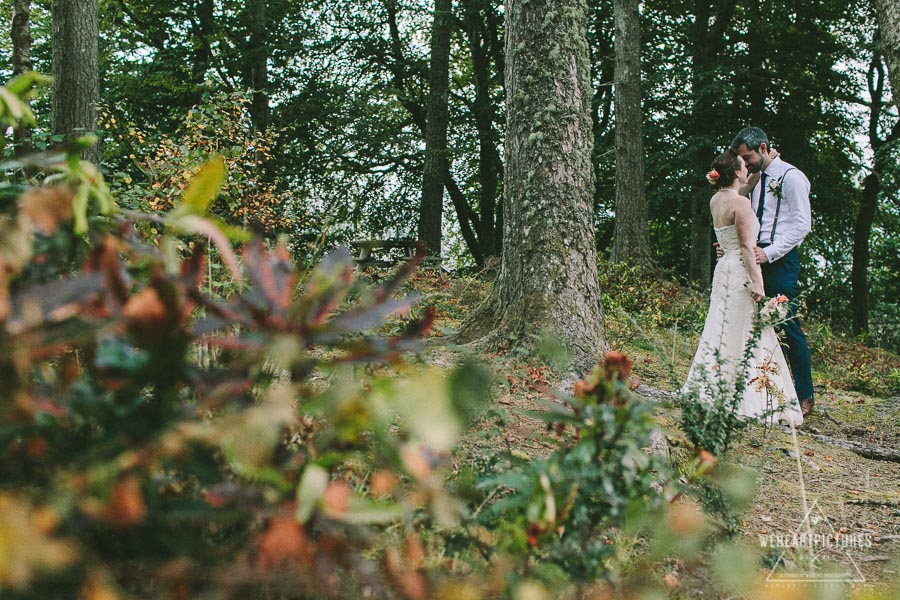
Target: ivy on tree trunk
x: 887, y: 13
x: 548, y: 277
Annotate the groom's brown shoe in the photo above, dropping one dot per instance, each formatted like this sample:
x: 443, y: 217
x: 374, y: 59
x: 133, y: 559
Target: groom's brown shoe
x: 806, y: 406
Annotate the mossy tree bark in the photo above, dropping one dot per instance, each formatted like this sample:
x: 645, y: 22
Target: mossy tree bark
x: 76, y: 70
x: 432, y: 206
x: 631, y: 241
x: 548, y: 276
x: 20, y: 32
x: 887, y: 13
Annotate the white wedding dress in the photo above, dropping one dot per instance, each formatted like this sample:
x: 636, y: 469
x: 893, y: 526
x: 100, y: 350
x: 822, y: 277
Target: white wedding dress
x: 768, y: 390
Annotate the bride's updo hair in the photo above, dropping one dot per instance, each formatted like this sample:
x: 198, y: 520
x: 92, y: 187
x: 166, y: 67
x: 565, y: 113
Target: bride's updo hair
x: 726, y: 165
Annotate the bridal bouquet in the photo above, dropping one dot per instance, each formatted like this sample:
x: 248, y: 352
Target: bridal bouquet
x: 774, y: 310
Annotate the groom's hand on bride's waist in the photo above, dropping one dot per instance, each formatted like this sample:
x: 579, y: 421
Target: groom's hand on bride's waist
x: 719, y: 252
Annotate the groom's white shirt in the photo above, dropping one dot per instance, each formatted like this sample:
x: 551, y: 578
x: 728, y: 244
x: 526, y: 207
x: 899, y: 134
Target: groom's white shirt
x: 794, y: 216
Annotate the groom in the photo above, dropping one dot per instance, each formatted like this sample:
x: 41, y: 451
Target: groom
x: 781, y: 202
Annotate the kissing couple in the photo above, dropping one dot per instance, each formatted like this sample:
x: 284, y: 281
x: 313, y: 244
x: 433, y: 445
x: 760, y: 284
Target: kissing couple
x: 761, y: 214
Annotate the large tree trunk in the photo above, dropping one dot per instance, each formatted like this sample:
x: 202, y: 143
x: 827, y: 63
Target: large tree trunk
x: 76, y: 70
x: 887, y: 13
x: 631, y: 242
x: 436, y: 162
x: 20, y: 32
x: 548, y: 277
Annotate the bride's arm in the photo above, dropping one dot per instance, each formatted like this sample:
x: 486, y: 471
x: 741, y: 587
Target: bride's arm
x: 744, y: 220
x: 753, y: 178
x: 745, y: 189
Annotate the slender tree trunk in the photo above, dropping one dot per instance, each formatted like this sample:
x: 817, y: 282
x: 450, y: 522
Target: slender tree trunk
x: 711, y: 19
x: 202, y: 27
x: 76, y: 70
x: 887, y: 13
x: 631, y: 242
x: 20, y: 32
x: 257, y: 64
x: 436, y: 160
x: 862, y: 230
x: 548, y: 277
x: 859, y: 273
x: 489, y: 164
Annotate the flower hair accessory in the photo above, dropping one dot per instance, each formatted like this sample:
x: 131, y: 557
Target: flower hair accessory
x: 712, y: 177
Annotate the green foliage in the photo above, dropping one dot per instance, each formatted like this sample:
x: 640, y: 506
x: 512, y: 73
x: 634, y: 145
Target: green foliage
x: 559, y: 514
x: 142, y: 418
x: 156, y: 168
x: 653, y: 302
x: 846, y: 363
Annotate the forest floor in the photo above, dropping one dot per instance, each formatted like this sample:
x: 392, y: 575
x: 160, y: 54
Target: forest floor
x: 845, y: 493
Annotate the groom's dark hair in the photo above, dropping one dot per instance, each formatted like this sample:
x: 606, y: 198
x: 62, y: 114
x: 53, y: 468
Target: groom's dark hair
x: 752, y: 136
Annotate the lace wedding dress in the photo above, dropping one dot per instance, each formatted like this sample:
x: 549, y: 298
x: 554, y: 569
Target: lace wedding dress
x: 717, y: 369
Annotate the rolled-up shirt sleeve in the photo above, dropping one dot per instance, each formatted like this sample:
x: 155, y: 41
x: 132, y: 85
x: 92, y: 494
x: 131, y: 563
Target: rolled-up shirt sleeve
x: 794, y: 217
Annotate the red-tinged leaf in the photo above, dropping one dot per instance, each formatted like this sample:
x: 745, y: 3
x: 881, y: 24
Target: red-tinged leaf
x: 336, y: 499
x: 220, y: 495
x: 415, y: 551
x: 367, y: 317
x: 219, y: 315
x: 126, y: 503
x: 273, y: 277
x: 672, y: 582
x: 104, y: 259
x: 284, y: 540
x: 410, y: 583
x: 52, y: 302
x: 327, y: 287
x: 37, y: 447
x: 421, y: 327
x: 235, y: 343
x: 390, y: 287
x: 47, y: 207
x: 193, y: 270
x: 383, y: 483
x: 205, y: 227
x: 47, y: 405
x: 146, y: 316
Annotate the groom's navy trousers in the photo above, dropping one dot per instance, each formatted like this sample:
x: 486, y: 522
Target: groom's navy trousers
x: 780, y: 277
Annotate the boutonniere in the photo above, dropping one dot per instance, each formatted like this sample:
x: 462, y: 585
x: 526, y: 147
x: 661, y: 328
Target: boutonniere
x: 775, y: 187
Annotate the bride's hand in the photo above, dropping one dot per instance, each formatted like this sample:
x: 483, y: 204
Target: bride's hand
x: 773, y: 153
x: 756, y: 294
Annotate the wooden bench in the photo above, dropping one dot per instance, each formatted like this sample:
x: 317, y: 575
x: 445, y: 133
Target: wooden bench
x: 387, y: 253
x: 379, y: 253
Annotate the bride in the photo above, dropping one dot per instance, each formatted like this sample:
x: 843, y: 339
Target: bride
x: 718, y: 371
